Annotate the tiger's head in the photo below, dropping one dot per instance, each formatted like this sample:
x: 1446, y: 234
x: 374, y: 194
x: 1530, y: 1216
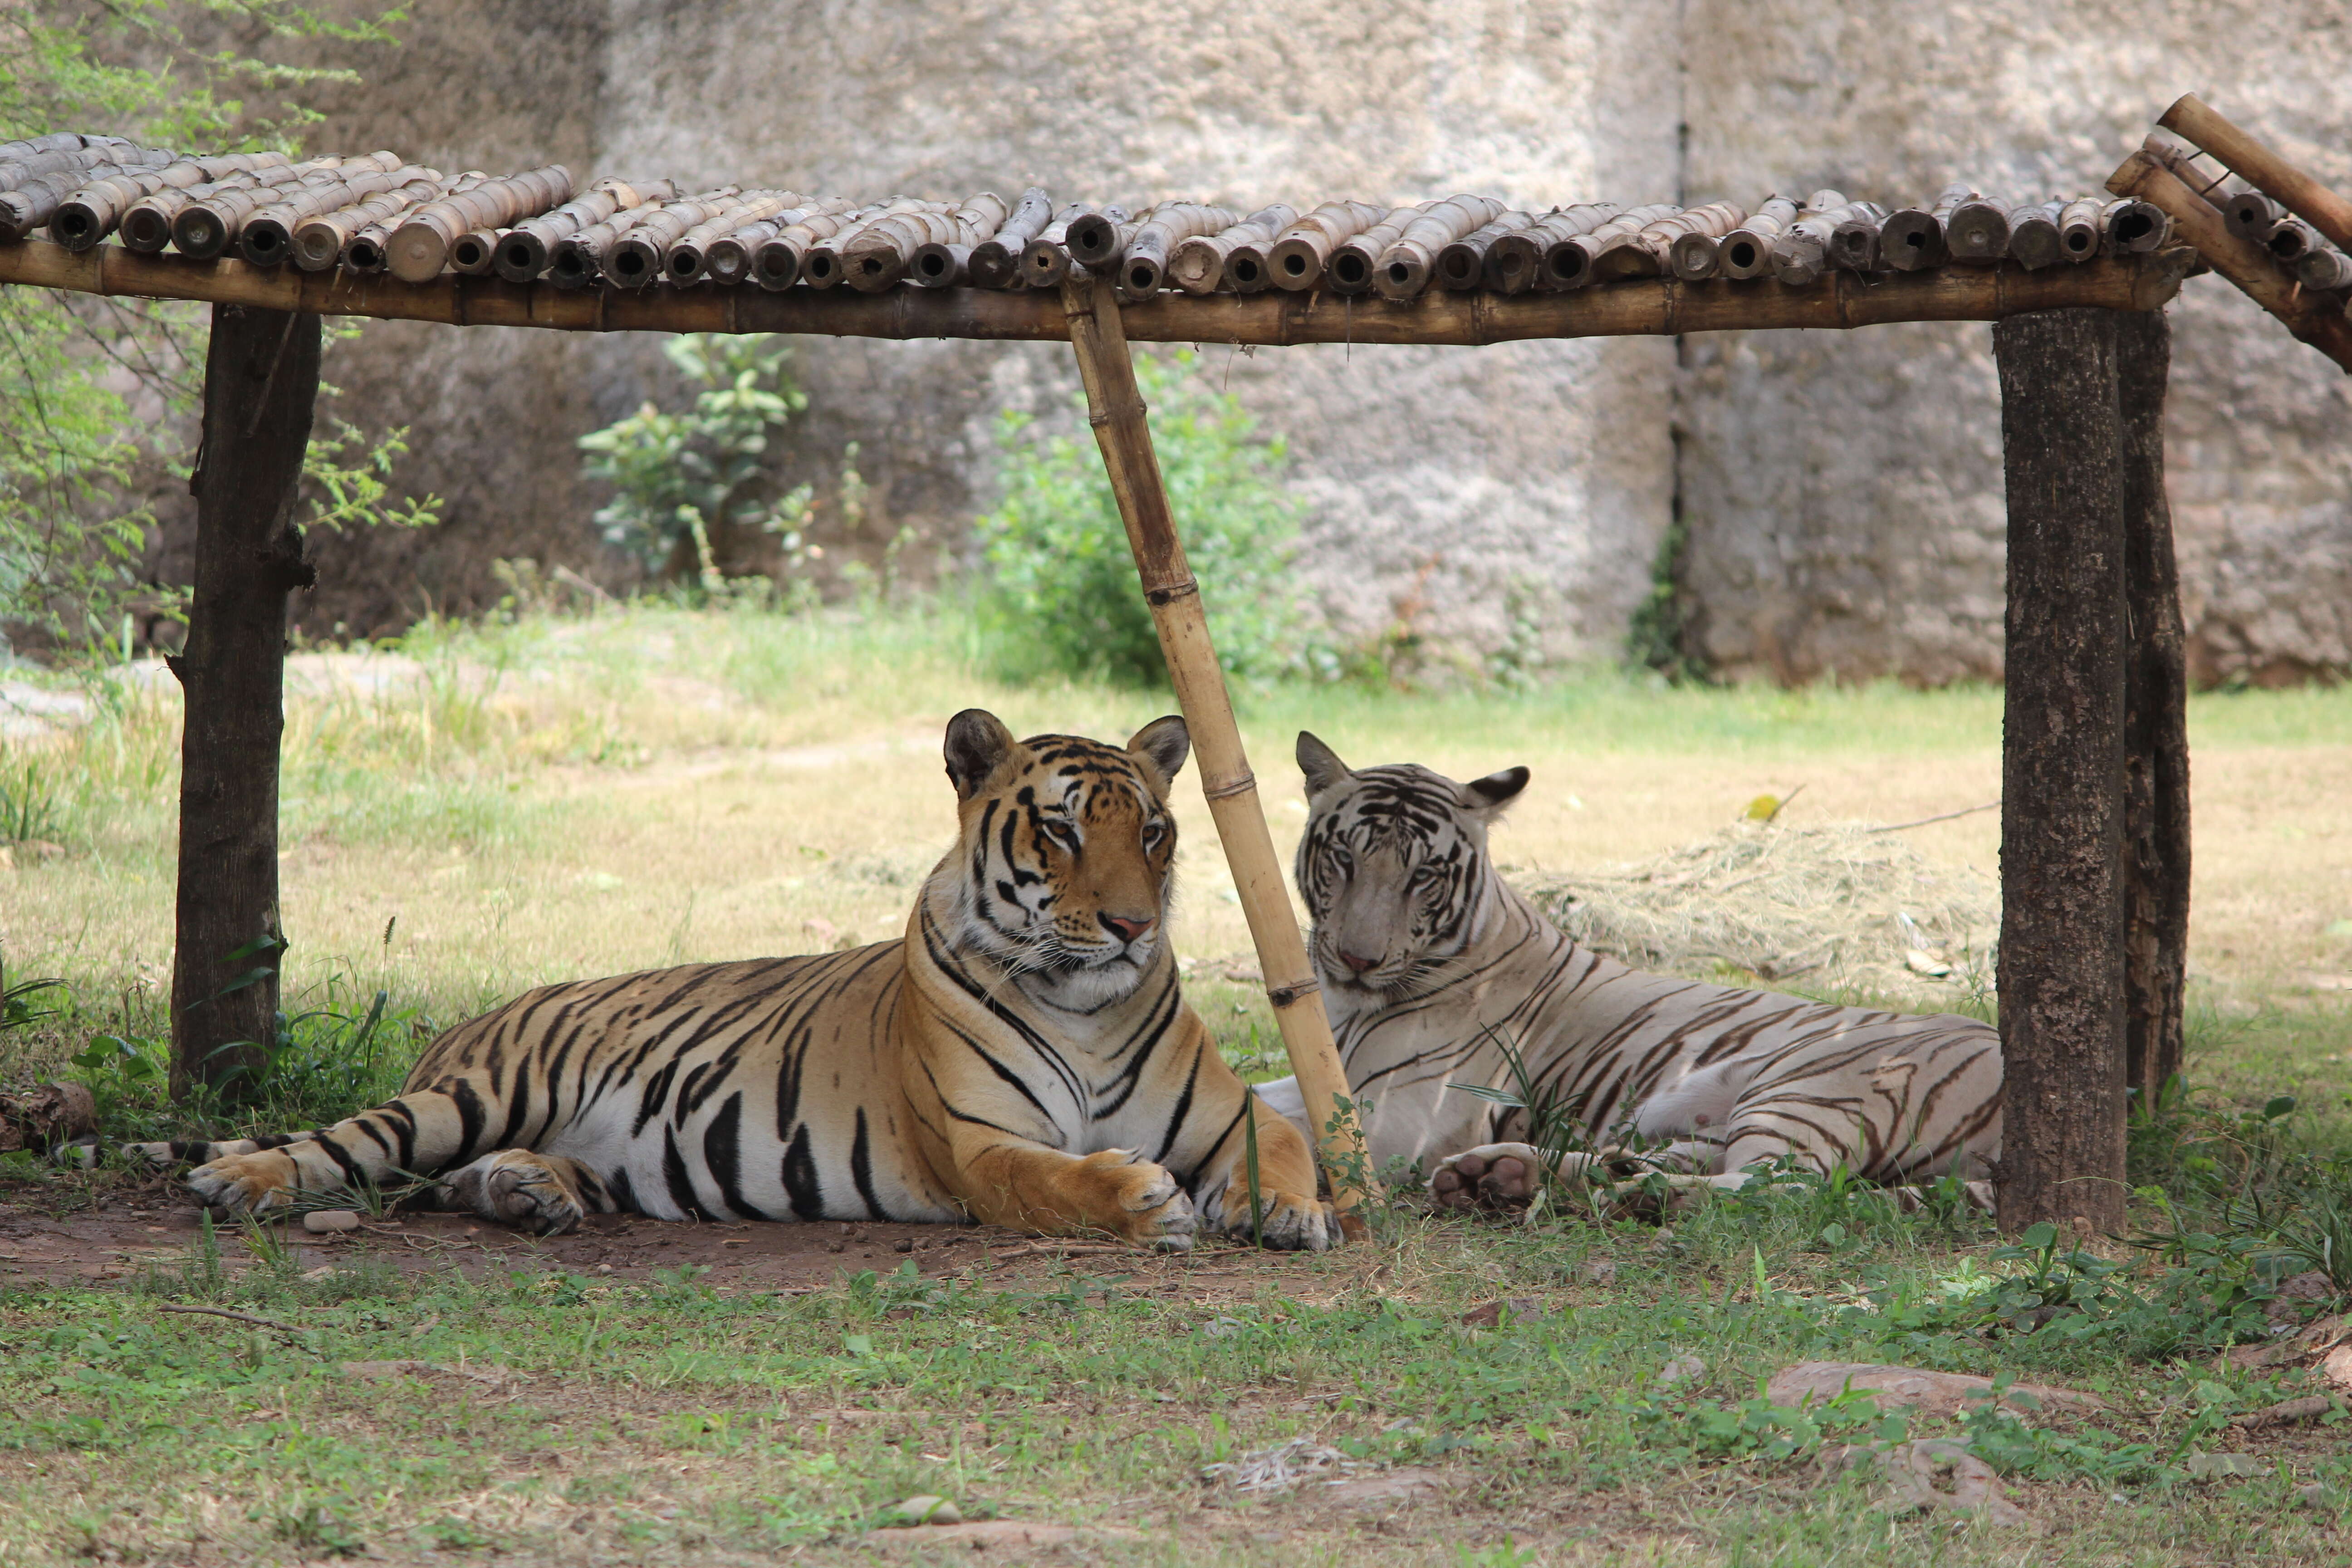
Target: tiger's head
x: 1393, y: 866
x: 1063, y: 876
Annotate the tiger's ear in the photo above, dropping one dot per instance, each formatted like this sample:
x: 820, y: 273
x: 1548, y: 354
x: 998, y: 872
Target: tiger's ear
x: 1321, y: 764
x: 978, y: 743
x: 1166, y: 743
x: 1488, y: 797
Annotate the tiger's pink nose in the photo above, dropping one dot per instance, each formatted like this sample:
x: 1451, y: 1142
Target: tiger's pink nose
x: 1359, y: 965
x: 1126, y: 930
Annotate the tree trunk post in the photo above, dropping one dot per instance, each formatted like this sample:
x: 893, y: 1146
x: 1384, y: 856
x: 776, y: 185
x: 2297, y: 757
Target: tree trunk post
x: 261, y: 376
x: 1117, y: 412
x: 2061, y: 968
x: 2156, y: 723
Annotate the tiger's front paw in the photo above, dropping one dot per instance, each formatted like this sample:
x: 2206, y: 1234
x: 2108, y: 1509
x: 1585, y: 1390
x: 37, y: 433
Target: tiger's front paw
x: 518, y: 1188
x: 1286, y: 1222
x: 1499, y: 1178
x: 1138, y: 1200
x: 246, y: 1183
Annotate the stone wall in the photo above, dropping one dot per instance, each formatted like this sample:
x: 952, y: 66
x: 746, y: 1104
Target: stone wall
x: 1842, y: 493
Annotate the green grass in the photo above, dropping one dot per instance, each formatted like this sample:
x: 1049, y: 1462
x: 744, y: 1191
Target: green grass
x: 674, y: 1422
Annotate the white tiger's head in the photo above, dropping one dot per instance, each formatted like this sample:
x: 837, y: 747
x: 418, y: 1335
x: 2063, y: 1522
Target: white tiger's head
x: 1065, y: 866
x: 1394, y: 865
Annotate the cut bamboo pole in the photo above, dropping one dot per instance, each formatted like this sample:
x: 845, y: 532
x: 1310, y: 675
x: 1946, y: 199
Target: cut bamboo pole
x: 2325, y: 270
x: 1462, y: 265
x: 995, y: 261
x: 2250, y: 214
x: 1045, y: 260
x: 1746, y: 251
x: 639, y: 257
x: 1655, y: 307
x: 420, y: 246
x: 1145, y: 261
x: 2136, y: 227
x: 1801, y: 255
x: 689, y: 256
x: 1116, y: 410
x: 2081, y: 224
x: 1202, y: 264
x: 732, y: 259
x: 318, y: 241
x: 1405, y: 268
x: 266, y: 239
x: 1301, y: 251
x: 1664, y: 246
x: 2315, y: 319
x: 1976, y: 233
x: 1693, y: 249
x: 1913, y: 239
x: 776, y: 263
x: 146, y: 224
x: 1351, y: 267
x: 1567, y: 262
x: 2290, y: 239
x: 1855, y: 244
x: 884, y: 251
x: 90, y: 213
x: 2034, y: 240
x: 530, y: 246
x: 206, y: 228
x: 2190, y: 119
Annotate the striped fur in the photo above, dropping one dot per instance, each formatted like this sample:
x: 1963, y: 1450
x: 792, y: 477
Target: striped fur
x: 1430, y: 962
x: 1023, y: 1056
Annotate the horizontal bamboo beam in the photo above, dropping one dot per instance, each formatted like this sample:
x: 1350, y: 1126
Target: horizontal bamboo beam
x: 1652, y: 307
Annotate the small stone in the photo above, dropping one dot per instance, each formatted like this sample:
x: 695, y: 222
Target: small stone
x: 329, y: 1222
x: 1682, y: 1369
x: 2222, y: 1466
x: 903, y: 1244
x: 603, y: 1269
x: 925, y: 1508
x: 2318, y: 1494
x: 1600, y: 1271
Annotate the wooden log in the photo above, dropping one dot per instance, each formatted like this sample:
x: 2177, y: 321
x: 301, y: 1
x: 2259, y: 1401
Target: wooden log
x: 420, y: 246
x: 2156, y: 724
x: 1144, y: 265
x: 1461, y: 265
x: 1567, y: 262
x: 2251, y: 161
x: 1649, y: 308
x: 1405, y: 268
x: 1301, y: 251
x: 1976, y: 233
x: 529, y: 247
x: 2314, y: 319
x: 261, y: 379
x: 1801, y: 255
x: 146, y: 224
x: 1913, y: 239
x: 92, y: 212
x: 2134, y: 227
x: 319, y: 241
x: 2034, y: 241
x: 2325, y: 270
x: 266, y: 237
x: 2062, y: 779
x: 1199, y: 266
x: 776, y: 264
x: 1045, y: 260
x: 995, y: 261
x: 1747, y: 250
x: 206, y: 228
x: 1097, y: 334
x: 882, y: 251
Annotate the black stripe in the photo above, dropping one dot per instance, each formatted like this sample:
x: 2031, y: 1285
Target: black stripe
x: 723, y: 1156
x: 470, y: 1122
x: 861, y: 1169
x: 798, y: 1173
x: 681, y: 1185
x: 1183, y: 1109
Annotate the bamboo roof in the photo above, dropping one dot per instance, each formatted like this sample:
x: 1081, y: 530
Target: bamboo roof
x: 380, y: 236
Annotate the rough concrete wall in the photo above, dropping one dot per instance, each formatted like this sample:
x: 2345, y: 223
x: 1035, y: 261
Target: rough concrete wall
x: 1844, y: 492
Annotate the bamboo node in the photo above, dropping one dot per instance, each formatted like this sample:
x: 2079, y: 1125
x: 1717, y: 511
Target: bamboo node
x: 1284, y: 995
x: 1156, y: 597
x: 1135, y: 410
x: 1230, y: 788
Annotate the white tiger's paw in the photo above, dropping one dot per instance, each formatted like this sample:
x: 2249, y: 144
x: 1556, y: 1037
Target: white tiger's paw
x: 1288, y: 1222
x: 246, y: 1183
x: 1495, y: 1177
x: 518, y: 1188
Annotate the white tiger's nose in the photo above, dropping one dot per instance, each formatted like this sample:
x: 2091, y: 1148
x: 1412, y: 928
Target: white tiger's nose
x: 1359, y: 965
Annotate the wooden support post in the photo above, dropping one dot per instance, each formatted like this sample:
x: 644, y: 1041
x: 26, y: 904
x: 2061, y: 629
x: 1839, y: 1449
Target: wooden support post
x: 261, y: 377
x: 2062, y: 969
x: 2156, y: 722
x: 1117, y: 412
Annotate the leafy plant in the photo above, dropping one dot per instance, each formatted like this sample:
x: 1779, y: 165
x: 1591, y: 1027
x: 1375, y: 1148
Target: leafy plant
x: 687, y: 485
x: 1061, y: 594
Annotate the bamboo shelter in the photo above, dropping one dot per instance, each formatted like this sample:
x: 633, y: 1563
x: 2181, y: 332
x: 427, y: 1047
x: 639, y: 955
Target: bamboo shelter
x: 2095, y: 750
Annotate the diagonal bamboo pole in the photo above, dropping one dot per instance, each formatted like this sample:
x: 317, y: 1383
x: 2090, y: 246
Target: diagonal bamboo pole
x: 1116, y: 410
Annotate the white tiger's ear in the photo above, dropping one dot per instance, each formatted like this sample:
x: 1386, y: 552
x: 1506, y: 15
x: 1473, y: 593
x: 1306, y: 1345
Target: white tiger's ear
x: 1166, y: 743
x: 1321, y: 764
x: 1488, y: 797
x: 978, y: 743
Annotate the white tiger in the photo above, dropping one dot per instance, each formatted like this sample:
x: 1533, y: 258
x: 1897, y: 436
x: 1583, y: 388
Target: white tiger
x: 1432, y: 965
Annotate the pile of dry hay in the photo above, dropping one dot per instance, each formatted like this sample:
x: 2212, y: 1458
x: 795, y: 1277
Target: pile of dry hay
x: 1847, y: 907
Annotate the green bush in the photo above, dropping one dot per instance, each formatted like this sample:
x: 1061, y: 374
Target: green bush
x: 1061, y: 595
x: 687, y: 487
